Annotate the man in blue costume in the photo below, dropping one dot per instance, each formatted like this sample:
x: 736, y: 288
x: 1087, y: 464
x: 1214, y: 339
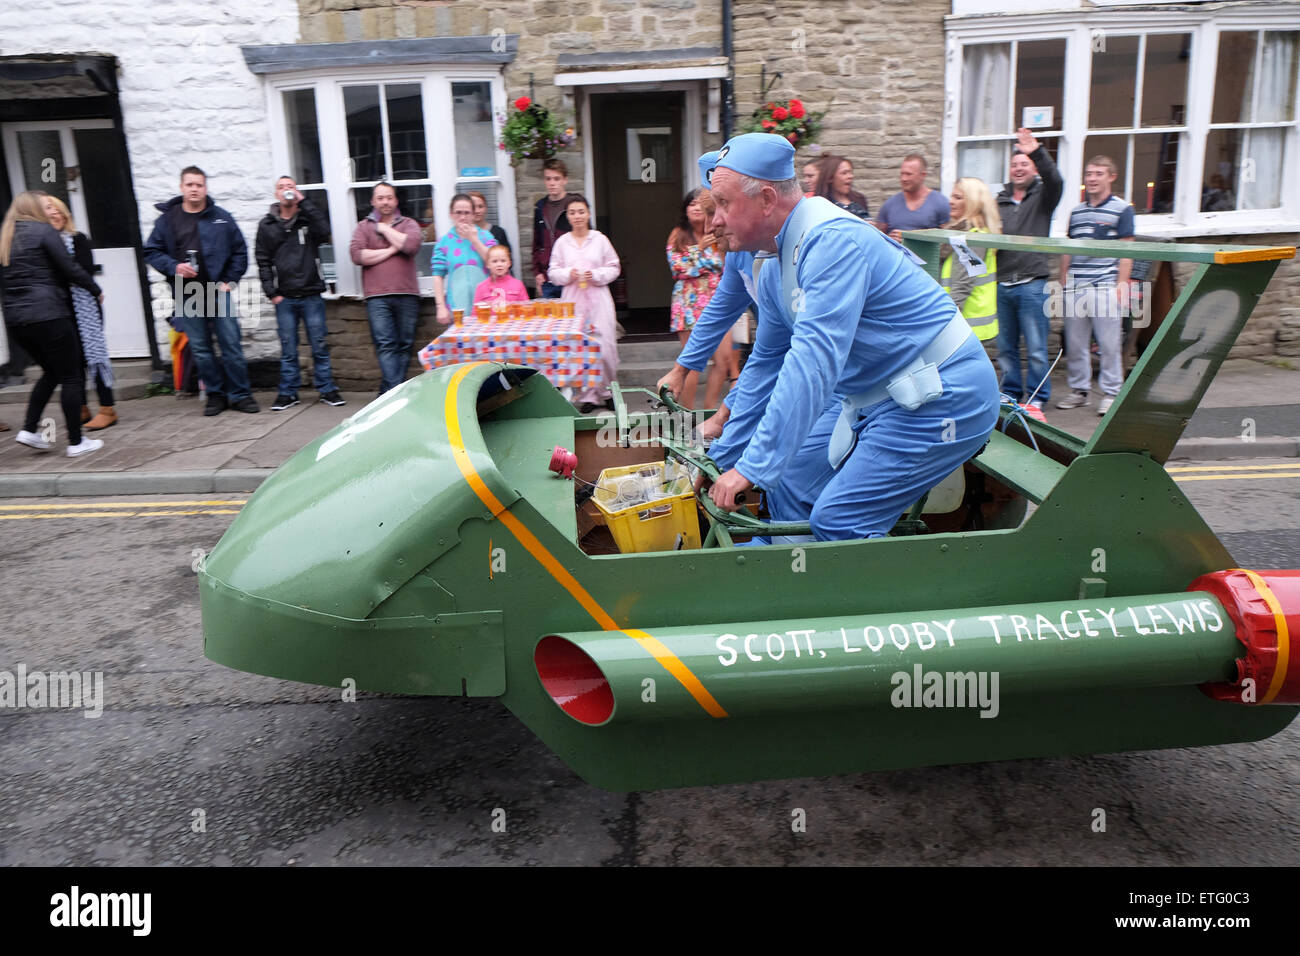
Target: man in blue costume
x: 865, y: 387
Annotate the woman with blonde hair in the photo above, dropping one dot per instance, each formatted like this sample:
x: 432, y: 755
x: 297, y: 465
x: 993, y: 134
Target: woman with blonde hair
x: 89, y: 317
x: 35, y: 272
x: 974, y: 210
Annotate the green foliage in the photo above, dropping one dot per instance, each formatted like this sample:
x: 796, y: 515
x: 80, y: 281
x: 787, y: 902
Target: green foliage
x: 531, y: 131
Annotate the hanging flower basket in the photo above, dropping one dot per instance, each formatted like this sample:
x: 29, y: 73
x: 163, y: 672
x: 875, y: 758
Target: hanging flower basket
x: 789, y: 119
x: 531, y: 131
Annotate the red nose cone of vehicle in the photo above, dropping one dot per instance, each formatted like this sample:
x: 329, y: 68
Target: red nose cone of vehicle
x: 574, y: 681
x: 1265, y: 607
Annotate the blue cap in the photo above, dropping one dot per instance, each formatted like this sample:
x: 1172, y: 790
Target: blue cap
x: 707, y: 162
x: 760, y: 155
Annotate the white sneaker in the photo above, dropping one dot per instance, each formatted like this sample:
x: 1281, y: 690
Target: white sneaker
x: 1104, y: 405
x: 85, y: 448
x: 32, y: 440
x: 1076, y: 399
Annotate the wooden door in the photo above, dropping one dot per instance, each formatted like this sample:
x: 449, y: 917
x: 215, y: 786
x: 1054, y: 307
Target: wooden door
x: 637, y: 146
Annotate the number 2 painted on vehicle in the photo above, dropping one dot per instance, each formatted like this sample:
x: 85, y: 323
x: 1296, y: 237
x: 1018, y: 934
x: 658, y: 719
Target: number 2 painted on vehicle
x: 1208, y: 324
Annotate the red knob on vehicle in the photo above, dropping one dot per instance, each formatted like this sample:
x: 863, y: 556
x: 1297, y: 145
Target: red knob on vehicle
x: 563, y: 462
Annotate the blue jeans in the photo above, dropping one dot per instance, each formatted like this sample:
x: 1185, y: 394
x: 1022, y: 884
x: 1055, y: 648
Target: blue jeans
x: 551, y: 291
x: 228, y: 375
x: 1022, y: 310
x: 311, y: 309
x: 392, y: 327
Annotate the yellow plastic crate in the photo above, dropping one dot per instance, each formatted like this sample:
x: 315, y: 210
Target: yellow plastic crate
x: 650, y: 526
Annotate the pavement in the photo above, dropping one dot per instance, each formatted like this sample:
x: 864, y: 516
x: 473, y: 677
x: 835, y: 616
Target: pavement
x: 164, y: 444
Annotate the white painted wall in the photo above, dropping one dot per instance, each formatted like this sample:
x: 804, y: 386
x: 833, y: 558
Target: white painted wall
x: 187, y: 98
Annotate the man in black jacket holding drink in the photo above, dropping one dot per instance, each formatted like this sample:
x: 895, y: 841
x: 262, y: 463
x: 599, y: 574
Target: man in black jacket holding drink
x: 288, y: 245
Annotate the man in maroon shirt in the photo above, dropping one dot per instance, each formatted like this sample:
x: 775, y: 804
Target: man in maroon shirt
x: 385, y: 245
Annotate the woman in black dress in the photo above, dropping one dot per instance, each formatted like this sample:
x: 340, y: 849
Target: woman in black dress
x: 35, y: 272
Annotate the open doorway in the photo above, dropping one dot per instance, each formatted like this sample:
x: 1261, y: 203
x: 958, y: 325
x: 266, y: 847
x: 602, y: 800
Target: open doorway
x: 636, y: 153
x: 79, y: 162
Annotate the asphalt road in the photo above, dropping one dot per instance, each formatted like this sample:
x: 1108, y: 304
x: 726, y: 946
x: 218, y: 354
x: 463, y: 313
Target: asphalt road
x: 192, y: 763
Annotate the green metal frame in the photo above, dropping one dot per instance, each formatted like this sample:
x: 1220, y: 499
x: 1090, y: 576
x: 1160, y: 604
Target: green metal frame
x: 420, y: 548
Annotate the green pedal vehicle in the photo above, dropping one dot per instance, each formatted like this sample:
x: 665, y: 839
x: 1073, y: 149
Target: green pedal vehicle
x: 1057, y: 596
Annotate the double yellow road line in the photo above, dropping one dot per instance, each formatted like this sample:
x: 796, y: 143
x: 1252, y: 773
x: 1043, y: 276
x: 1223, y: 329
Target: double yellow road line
x: 1182, y: 473
x: 120, y: 509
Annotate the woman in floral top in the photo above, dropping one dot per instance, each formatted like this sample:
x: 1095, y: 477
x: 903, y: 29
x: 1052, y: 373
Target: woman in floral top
x: 458, y: 259
x: 696, y: 262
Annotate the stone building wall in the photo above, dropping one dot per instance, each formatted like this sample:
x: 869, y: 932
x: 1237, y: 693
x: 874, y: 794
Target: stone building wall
x: 874, y: 66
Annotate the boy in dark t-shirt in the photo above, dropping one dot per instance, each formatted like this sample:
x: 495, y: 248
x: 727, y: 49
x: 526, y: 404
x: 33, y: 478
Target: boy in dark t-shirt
x: 550, y: 222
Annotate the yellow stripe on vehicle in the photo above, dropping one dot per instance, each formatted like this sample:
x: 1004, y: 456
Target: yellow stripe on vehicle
x: 657, y: 649
x: 1283, y: 635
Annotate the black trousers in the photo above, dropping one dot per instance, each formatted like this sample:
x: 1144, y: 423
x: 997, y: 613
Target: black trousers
x: 56, y: 347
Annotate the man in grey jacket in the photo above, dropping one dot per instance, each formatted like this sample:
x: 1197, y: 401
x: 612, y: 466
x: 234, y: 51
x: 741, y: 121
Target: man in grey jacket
x: 1026, y: 204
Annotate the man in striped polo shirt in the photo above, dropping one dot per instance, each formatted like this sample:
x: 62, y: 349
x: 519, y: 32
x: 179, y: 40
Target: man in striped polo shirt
x: 1096, y: 289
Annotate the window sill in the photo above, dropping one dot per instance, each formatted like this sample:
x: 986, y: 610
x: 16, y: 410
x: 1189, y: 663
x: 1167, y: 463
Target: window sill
x: 1218, y: 226
x: 1224, y: 224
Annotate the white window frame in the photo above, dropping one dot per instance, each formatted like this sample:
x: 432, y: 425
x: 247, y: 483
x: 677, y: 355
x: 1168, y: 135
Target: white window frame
x: 439, y: 139
x: 1079, y: 28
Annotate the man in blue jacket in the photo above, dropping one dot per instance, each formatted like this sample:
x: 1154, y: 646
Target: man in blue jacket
x: 866, y: 386
x: 198, y: 243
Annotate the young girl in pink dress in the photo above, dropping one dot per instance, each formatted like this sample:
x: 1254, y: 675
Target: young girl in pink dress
x: 584, y: 263
x: 500, y: 286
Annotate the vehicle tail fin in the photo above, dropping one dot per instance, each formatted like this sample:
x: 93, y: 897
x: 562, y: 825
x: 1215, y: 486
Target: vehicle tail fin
x: 1169, y: 381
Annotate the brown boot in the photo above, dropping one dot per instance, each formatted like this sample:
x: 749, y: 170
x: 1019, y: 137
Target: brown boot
x: 85, y: 414
x: 107, y: 416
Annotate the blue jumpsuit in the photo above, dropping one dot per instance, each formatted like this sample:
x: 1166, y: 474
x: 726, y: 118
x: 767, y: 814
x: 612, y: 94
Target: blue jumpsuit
x: 730, y: 299
x: 867, y: 311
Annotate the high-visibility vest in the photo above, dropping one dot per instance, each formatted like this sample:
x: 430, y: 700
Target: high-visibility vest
x: 981, y: 306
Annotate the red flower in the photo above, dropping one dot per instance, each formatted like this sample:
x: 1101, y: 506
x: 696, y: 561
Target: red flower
x: 768, y: 106
x: 796, y: 109
x: 780, y: 113
x: 792, y: 137
x: 768, y: 124
x: 523, y: 103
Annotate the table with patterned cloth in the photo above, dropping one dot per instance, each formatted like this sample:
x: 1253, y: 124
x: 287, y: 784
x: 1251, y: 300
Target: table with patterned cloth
x: 557, y: 348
